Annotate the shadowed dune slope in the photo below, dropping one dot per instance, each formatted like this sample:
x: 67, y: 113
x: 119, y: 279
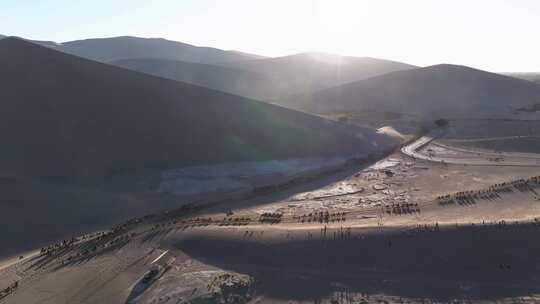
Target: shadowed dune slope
x: 441, y: 90
x: 434, y: 264
x: 221, y: 78
x: 62, y: 115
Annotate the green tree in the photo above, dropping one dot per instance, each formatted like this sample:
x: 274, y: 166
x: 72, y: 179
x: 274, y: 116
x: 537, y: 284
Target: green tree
x: 343, y: 119
x: 442, y: 123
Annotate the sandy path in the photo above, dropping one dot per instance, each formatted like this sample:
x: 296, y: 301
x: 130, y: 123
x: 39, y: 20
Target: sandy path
x: 475, y: 159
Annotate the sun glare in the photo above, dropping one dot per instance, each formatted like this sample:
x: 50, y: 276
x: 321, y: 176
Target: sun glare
x: 343, y: 15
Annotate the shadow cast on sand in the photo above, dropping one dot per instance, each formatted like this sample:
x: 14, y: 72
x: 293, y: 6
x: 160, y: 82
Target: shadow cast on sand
x: 477, y: 262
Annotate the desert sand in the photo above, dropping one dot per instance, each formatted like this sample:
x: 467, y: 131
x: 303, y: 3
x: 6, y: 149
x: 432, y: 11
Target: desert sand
x: 374, y: 233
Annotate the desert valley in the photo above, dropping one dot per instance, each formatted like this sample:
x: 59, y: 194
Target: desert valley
x: 146, y: 170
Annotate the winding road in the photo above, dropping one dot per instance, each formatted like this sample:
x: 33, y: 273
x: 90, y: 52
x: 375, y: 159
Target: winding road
x: 462, y: 156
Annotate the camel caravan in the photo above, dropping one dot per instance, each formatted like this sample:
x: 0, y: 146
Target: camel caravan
x: 500, y: 224
x: 270, y: 218
x: 97, y: 236
x: 104, y: 240
x: 120, y: 228
x: 321, y: 217
x: 183, y: 224
x: 49, y: 250
x: 403, y: 208
x: 235, y: 221
x: 9, y: 290
x: 491, y: 193
x: 203, y: 222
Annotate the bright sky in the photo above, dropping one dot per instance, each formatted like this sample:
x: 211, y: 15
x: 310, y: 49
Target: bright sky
x: 495, y: 35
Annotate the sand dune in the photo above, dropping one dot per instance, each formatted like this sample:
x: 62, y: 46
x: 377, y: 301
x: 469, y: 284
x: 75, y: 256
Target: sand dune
x: 67, y: 116
x: 437, y: 91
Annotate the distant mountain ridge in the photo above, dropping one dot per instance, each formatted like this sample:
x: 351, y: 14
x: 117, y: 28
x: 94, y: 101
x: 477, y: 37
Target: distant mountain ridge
x: 267, y: 79
x: 437, y: 91
x: 93, y: 119
x: 307, y: 72
x: 248, y: 75
x: 532, y: 76
x: 129, y: 47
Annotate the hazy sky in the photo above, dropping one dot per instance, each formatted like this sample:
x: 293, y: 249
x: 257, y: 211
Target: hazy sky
x: 495, y: 35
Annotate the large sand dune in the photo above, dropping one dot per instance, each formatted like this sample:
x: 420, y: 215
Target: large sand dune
x: 66, y: 116
x: 433, y: 92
